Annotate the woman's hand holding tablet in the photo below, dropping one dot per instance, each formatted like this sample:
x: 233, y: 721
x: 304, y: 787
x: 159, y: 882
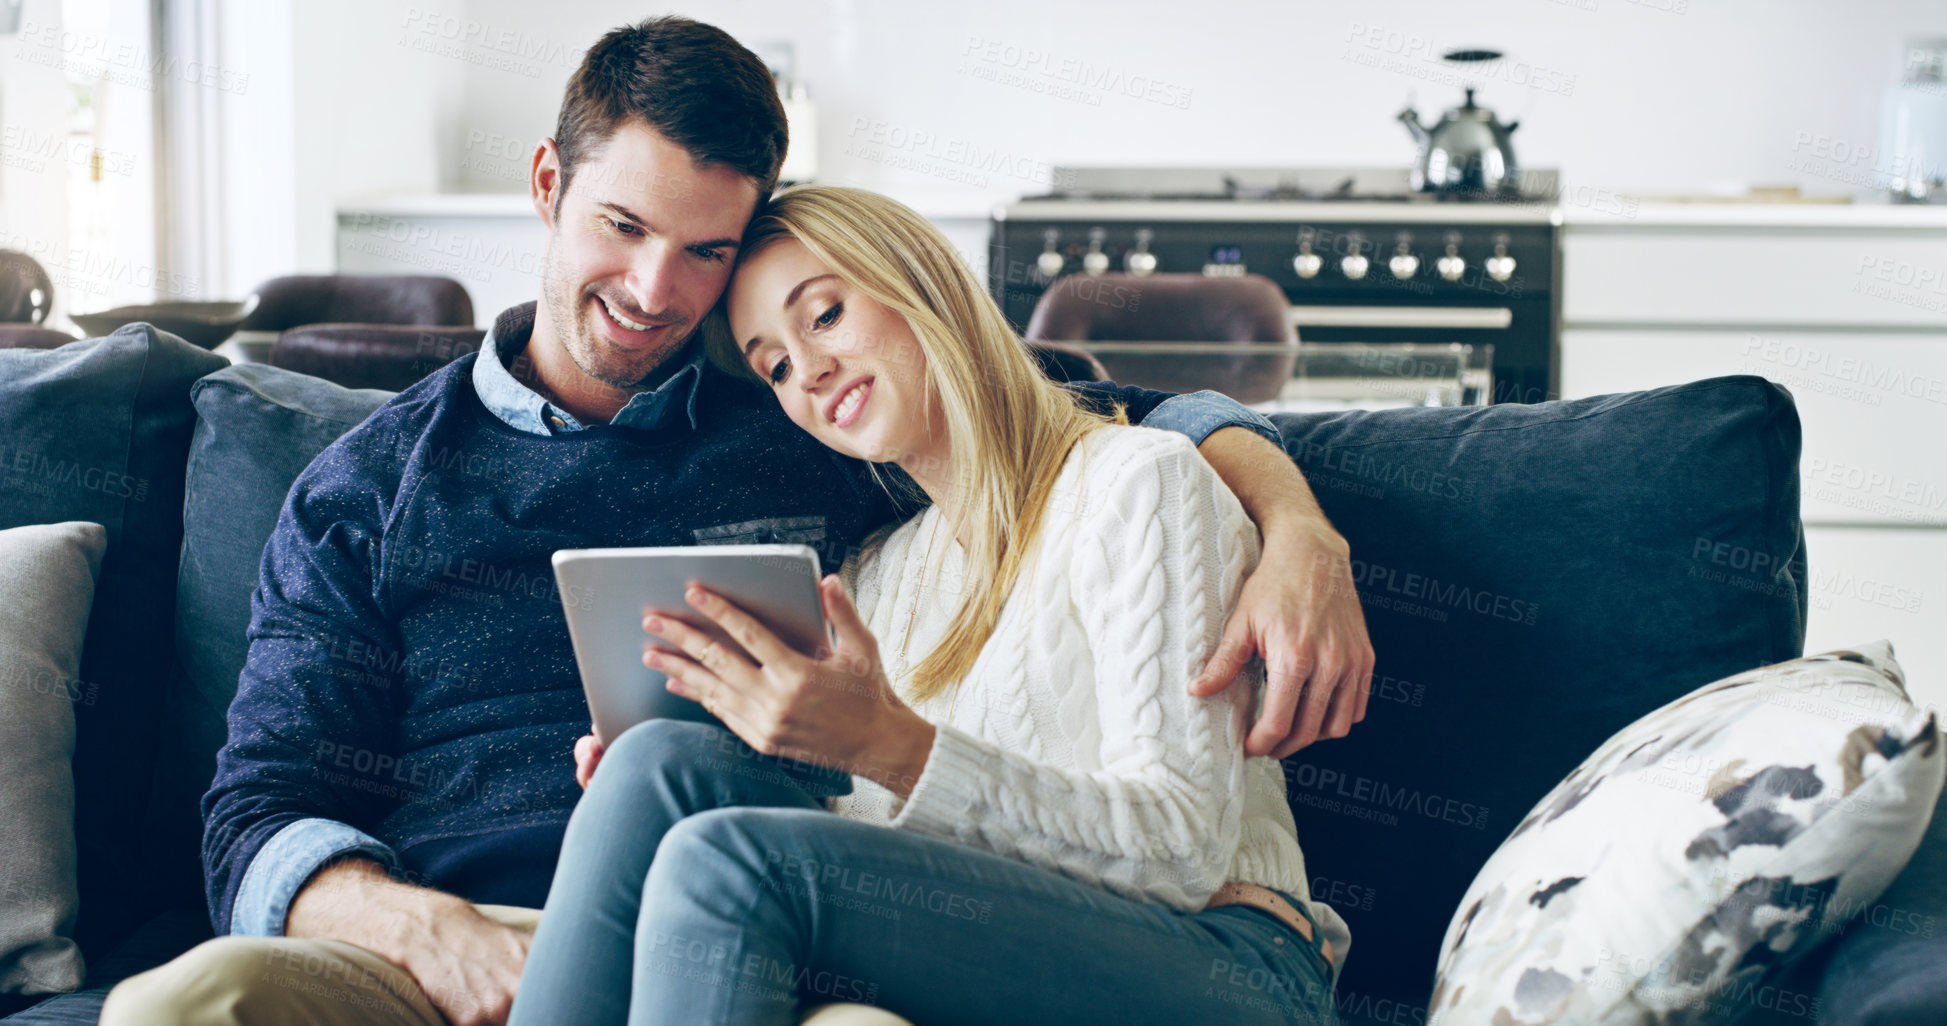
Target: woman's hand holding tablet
x: 606, y: 592
x: 748, y: 648
x: 832, y: 708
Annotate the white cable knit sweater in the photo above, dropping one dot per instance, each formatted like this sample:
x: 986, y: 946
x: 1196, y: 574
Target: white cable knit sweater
x: 1073, y: 744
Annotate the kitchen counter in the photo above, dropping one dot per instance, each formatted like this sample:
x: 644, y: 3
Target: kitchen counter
x: 936, y: 206
x: 1615, y: 210
x: 1629, y: 214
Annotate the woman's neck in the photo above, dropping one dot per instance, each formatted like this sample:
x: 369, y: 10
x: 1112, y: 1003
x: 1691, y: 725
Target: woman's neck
x: 929, y: 470
x: 930, y: 464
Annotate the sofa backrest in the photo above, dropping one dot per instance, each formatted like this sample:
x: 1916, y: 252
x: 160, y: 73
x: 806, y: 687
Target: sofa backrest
x: 98, y: 430
x: 1534, y: 578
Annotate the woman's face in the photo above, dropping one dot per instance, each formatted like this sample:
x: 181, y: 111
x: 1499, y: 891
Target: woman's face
x: 845, y: 367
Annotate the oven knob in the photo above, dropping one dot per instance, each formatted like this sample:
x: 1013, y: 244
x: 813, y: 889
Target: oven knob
x: 1050, y: 262
x: 1452, y: 265
x: 1353, y: 267
x: 1140, y: 261
x: 1500, y: 266
x: 1307, y: 263
x: 1404, y: 264
x: 1095, y: 261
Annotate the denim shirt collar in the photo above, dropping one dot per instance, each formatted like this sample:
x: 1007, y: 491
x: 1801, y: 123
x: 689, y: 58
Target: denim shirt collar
x: 523, y: 409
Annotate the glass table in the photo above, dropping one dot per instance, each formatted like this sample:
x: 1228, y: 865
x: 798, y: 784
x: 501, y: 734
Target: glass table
x: 1274, y: 377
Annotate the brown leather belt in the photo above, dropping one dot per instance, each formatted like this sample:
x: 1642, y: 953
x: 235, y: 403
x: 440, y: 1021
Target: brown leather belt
x: 1237, y: 892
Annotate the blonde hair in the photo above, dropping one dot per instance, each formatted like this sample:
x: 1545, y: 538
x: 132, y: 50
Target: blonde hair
x: 1010, y: 429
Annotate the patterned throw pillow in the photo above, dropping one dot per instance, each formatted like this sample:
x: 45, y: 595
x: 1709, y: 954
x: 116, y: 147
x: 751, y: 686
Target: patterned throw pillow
x: 1679, y: 871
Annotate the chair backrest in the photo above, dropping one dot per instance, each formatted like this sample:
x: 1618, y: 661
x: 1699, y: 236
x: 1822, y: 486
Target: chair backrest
x: 1063, y: 363
x: 1175, y: 308
x: 386, y: 356
x: 26, y: 292
x: 297, y: 300
x: 32, y: 336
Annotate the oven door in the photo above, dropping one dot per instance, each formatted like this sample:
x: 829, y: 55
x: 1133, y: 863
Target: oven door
x: 1519, y: 332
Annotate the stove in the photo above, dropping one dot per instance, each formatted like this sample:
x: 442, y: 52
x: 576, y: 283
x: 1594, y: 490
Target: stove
x: 1362, y: 257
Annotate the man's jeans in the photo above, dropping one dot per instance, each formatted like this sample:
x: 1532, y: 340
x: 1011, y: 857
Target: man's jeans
x: 701, y: 882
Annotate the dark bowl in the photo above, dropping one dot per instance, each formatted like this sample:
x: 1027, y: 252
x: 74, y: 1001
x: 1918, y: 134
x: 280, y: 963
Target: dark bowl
x: 204, y: 324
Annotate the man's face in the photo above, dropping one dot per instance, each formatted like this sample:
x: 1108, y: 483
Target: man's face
x: 639, y: 248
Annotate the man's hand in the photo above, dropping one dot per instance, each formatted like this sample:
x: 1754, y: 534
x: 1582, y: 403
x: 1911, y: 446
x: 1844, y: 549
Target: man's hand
x: 1300, y: 610
x: 468, y: 964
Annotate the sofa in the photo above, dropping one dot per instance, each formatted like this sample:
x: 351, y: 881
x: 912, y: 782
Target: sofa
x: 1572, y: 530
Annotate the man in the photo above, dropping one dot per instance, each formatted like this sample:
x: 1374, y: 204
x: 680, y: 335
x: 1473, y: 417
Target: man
x: 389, y: 807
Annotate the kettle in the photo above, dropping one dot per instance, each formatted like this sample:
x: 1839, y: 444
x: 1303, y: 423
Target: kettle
x: 1467, y: 152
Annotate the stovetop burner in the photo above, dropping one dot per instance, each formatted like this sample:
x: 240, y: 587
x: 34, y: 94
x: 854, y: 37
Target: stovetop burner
x: 1271, y: 185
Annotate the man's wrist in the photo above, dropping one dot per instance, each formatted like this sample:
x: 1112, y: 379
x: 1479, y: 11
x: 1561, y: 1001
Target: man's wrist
x: 1305, y: 529
x: 357, y: 901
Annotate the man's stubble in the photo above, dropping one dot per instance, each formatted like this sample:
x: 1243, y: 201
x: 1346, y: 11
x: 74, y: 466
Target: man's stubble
x: 587, y: 345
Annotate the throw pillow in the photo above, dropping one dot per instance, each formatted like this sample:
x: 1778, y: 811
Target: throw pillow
x: 49, y: 572
x: 1677, y: 874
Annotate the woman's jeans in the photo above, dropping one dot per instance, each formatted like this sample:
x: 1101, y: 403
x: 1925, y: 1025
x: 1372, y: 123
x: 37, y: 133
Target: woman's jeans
x: 701, y: 882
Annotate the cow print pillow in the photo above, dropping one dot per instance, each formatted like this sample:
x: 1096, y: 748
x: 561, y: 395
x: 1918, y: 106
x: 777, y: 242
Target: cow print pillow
x: 1678, y: 873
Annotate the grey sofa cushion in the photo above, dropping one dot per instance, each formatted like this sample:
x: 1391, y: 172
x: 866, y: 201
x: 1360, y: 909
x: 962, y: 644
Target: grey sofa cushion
x: 1534, y: 578
x: 49, y: 572
x: 98, y: 430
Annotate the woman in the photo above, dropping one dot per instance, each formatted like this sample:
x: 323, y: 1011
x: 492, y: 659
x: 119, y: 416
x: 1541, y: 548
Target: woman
x: 1045, y: 822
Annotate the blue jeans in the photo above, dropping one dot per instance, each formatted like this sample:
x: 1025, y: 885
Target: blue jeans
x: 700, y: 882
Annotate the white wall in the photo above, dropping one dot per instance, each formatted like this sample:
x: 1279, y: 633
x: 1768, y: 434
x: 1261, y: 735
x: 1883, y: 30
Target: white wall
x: 258, y: 136
x: 1624, y: 94
x: 949, y: 105
x: 34, y: 100
x: 336, y: 106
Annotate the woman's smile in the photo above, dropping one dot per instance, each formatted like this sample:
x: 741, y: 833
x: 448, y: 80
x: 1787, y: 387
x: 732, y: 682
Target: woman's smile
x: 849, y: 404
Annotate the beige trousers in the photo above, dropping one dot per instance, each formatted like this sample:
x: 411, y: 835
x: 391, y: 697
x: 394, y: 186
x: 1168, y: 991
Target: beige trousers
x: 274, y: 981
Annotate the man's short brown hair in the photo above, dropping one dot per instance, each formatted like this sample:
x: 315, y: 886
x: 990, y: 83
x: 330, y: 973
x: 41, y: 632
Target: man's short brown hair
x: 691, y: 82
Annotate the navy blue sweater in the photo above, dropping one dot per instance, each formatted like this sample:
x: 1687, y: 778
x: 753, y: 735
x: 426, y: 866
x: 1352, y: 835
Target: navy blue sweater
x: 410, y: 675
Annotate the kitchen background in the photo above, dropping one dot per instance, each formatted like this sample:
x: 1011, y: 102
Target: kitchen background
x: 368, y: 135
x: 953, y: 106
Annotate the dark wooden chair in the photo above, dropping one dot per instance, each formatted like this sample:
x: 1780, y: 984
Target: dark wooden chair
x: 298, y: 300
x: 1165, y: 308
x: 387, y: 356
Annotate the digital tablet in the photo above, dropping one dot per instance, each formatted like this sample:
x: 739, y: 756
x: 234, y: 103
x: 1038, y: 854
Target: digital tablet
x: 605, y: 591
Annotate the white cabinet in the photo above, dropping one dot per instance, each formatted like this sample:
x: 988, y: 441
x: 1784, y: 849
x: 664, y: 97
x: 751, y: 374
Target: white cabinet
x: 1874, y: 407
x: 1847, y: 308
x: 1793, y: 277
